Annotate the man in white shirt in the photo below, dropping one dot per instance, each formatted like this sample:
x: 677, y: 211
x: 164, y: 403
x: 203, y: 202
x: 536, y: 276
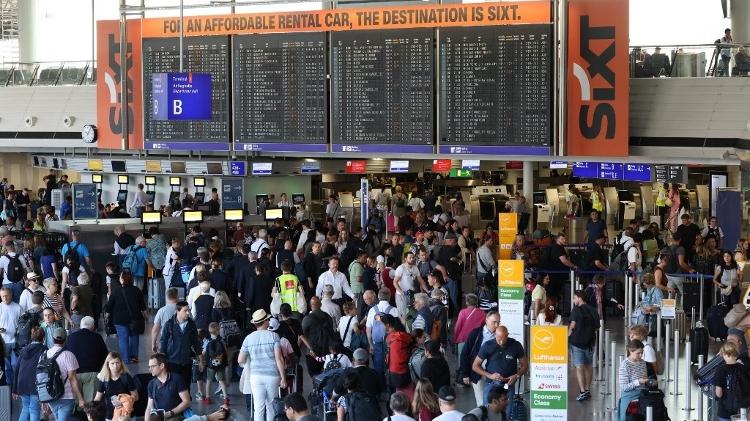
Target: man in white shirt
x: 68, y: 364
x: 9, y: 314
x: 383, y: 306
x: 139, y: 202
x: 485, y: 259
x: 407, y: 280
x: 303, y: 235
x: 336, y: 279
x: 415, y: 203
x: 10, y: 253
x: 34, y: 285
x: 634, y: 254
x: 260, y: 243
x: 447, y: 402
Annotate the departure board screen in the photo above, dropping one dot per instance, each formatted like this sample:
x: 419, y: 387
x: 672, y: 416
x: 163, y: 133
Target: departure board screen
x: 382, y: 91
x: 201, y: 55
x: 280, y: 99
x: 496, y: 89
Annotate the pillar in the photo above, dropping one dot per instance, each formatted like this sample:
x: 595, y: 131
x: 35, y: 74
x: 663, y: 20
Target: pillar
x: 27, y: 18
x: 528, y: 190
x: 739, y: 11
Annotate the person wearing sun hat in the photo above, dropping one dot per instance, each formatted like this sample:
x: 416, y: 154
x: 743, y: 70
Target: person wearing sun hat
x: 263, y: 372
x: 34, y: 283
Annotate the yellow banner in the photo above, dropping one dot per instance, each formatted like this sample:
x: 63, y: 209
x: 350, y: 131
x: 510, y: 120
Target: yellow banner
x: 510, y: 273
x: 153, y: 166
x: 95, y: 165
x: 549, y: 344
x: 393, y: 17
x: 508, y: 223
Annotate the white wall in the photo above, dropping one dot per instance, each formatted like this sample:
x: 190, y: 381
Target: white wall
x: 16, y: 167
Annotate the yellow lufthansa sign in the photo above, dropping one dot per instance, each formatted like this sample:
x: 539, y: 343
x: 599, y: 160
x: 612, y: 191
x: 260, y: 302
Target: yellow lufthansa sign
x: 508, y: 223
x: 549, y: 344
x: 510, y: 273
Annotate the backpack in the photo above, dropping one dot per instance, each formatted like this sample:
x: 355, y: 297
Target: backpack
x: 654, y: 398
x: 216, y: 354
x: 334, y: 363
x: 50, y: 385
x: 436, y: 331
x: 230, y: 331
x: 620, y: 262
x: 362, y: 407
x: 400, y: 202
x: 415, y: 363
x: 472, y: 417
x: 72, y: 255
x: 131, y: 260
x: 738, y: 387
x: 27, y: 321
x: 617, y: 247
x: 15, y: 269
x: 587, y: 325
x: 378, y: 328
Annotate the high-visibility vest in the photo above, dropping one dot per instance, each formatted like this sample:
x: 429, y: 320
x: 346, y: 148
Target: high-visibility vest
x: 596, y: 202
x: 288, y: 284
x: 661, y: 197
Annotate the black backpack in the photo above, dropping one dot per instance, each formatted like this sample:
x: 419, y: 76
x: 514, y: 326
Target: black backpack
x: 27, y: 321
x: 72, y: 255
x: 362, y: 407
x: 216, y: 354
x: 654, y: 398
x: 617, y: 247
x: 15, y: 269
x: 333, y: 364
x: 50, y: 385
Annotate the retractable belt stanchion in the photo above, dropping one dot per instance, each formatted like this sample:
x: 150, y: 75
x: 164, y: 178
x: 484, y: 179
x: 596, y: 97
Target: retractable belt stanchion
x: 667, y: 356
x: 628, y: 307
x: 700, y: 392
x: 612, y: 375
x: 600, y: 352
x: 688, y: 392
x: 743, y: 414
x: 572, y: 287
x: 700, y: 307
x: 605, y: 363
x: 649, y: 413
x: 675, y: 384
x: 658, y: 331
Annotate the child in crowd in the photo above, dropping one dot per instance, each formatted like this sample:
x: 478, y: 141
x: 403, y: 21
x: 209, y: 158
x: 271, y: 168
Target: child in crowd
x: 215, y: 357
x: 199, y: 370
x: 335, y: 359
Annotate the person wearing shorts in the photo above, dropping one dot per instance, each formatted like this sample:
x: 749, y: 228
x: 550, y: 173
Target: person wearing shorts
x: 584, y: 322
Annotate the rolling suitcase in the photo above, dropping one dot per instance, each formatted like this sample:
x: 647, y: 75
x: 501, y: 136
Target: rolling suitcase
x: 614, y: 289
x: 715, y: 321
x: 698, y: 342
x: 691, y: 295
x: 156, y: 293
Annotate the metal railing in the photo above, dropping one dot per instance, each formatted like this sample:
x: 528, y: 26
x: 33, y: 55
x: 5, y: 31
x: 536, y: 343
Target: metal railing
x: 47, y: 73
x: 695, y: 60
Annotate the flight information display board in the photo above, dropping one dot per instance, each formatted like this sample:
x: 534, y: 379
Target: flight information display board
x: 201, y: 55
x: 382, y: 91
x: 280, y: 92
x: 496, y: 89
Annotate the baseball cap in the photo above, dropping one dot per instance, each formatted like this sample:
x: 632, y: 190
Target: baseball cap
x: 59, y: 334
x: 447, y: 394
x: 273, y: 324
x: 451, y: 236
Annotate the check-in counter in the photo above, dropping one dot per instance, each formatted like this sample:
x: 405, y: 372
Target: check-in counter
x: 99, y: 237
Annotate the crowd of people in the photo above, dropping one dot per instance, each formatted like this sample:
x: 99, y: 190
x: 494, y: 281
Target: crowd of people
x: 375, y: 318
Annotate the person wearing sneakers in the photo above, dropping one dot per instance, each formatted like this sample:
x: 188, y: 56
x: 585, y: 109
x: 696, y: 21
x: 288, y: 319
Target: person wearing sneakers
x: 584, y: 322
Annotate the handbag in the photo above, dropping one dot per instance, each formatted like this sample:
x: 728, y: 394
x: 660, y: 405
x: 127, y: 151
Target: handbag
x: 276, y: 299
x: 136, y: 325
x: 109, y: 324
x: 301, y: 303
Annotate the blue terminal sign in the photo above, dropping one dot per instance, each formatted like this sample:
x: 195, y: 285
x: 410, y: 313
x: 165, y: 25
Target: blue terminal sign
x: 613, y: 171
x: 610, y: 171
x: 637, y: 172
x: 586, y: 169
x: 238, y: 168
x: 181, y: 96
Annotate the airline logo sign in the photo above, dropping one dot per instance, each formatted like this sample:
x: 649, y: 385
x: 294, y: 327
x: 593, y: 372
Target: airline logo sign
x: 109, y: 86
x: 549, y: 373
x: 598, y: 78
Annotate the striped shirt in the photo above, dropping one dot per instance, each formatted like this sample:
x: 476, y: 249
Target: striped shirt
x: 260, y: 346
x: 630, y: 374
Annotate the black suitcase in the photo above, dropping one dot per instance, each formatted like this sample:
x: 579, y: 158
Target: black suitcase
x: 614, y: 288
x: 698, y: 342
x: 715, y: 321
x: 691, y: 296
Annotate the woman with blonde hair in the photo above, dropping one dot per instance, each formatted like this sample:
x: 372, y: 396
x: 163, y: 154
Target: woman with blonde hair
x: 115, y: 380
x: 424, y: 405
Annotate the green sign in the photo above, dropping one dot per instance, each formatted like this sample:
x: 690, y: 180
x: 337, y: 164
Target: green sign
x: 459, y: 173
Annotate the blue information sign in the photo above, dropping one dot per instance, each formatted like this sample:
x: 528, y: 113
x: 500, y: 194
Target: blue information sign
x: 310, y: 167
x: 84, y: 201
x: 585, y: 169
x: 637, y: 172
x: 238, y: 168
x: 181, y: 96
x: 232, y: 194
x: 610, y: 171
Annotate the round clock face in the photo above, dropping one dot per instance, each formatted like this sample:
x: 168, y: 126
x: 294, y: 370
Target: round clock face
x: 88, y: 133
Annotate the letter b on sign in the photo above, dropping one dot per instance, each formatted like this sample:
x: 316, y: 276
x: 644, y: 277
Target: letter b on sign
x: 176, y: 107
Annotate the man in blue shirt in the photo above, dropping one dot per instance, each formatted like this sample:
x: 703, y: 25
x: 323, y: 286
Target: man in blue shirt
x: 595, y: 228
x: 506, y: 363
x: 75, y: 243
x: 167, y: 391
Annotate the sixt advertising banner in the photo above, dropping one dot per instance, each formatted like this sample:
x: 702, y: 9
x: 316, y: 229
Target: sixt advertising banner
x: 597, y: 78
x: 109, y: 87
x: 395, y: 17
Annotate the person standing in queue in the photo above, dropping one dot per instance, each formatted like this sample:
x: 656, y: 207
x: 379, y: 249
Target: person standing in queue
x: 506, y: 363
x: 179, y: 341
x: 168, y: 392
x: 559, y: 260
x: 473, y: 344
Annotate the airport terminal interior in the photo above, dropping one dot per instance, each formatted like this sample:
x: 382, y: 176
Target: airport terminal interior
x: 555, y: 129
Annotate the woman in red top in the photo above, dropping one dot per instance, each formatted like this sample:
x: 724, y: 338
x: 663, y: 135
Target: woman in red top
x: 384, y: 276
x: 424, y: 405
x: 399, y: 345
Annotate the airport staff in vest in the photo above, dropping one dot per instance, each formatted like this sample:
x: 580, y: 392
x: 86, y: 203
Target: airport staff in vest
x: 288, y: 285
